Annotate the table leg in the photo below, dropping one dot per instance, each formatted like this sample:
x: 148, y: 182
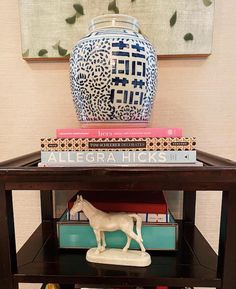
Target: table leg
x: 46, y: 205
x: 8, y: 263
x: 189, y: 206
x: 227, y: 244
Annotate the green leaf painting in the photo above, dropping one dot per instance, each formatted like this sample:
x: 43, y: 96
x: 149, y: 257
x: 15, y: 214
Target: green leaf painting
x: 79, y: 12
x: 207, y: 2
x: 42, y: 52
x: 166, y: 23
x: 71, y: 20
x: 112, y: 7
x: 188, y: 37
x: 26, y: 53
x: 61, y: 51
x: 173, y: 19
x: 55, y: 46
x: 79, y: 8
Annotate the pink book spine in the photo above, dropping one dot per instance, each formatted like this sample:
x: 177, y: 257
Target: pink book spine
x: 117, y: 133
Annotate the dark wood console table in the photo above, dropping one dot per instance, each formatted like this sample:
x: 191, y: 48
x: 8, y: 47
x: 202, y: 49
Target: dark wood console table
x: 194, y: 264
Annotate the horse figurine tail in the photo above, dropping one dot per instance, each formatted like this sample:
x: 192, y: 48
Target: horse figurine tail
x: 138, y: 225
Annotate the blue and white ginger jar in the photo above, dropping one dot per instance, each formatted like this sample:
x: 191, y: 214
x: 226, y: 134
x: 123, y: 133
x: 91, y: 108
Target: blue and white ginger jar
x: 113, y: 73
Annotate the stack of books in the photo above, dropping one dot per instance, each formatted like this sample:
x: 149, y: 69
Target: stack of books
x: 118, y: 147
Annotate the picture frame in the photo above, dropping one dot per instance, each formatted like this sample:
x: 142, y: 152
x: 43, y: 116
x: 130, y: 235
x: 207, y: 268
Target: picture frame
x: 50, y: 29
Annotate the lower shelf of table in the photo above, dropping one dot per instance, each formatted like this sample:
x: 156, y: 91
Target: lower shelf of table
x: 194, y: 264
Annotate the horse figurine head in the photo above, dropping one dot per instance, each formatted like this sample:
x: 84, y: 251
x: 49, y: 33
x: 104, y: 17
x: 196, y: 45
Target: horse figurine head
x: 78, y: 205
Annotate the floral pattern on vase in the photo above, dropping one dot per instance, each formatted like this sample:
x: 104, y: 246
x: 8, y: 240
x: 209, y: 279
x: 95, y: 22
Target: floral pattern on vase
x: 113, y: 76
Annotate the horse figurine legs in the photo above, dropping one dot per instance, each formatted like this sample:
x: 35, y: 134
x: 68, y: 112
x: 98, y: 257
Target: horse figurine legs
x: 132, y: 235
x: 101, y: 243
x: 128, y: 230
x: 126, y: 247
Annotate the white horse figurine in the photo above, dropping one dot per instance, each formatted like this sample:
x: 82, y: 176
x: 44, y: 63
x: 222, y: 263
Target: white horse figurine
x: 101, y: 222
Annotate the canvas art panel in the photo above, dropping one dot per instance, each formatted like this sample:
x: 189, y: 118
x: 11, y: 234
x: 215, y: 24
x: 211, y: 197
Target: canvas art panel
x: 50, y: 29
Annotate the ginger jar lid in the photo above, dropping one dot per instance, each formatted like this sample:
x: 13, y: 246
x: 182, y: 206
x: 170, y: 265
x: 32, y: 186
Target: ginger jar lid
x: 114, y: 21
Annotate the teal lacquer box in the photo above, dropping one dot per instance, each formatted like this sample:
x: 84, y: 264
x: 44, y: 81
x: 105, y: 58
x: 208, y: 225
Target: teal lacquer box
x: 156, y: 236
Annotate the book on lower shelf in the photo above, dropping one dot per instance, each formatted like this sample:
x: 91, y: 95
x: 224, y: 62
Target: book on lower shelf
x: 146, y: 217
x: 155, y: 211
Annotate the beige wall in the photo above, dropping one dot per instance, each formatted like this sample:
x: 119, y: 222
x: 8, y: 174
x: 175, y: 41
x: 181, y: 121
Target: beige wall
x: 196, y: 94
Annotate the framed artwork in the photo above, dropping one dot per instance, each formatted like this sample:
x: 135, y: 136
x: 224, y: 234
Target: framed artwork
x: 50, y: 28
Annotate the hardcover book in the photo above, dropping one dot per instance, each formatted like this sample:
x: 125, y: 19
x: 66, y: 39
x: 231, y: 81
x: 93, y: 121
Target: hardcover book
x: 132, y: 207
x: 96, y: 158
x: 152, y: 208
x: 136, y: 144
x: 118, y: 132
x: 146, y: 217
x: 137, y: 165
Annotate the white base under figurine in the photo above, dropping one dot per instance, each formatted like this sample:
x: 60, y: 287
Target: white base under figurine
x: 119, y: 257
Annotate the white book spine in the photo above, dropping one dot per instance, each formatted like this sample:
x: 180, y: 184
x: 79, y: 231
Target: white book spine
x: 89, y: 158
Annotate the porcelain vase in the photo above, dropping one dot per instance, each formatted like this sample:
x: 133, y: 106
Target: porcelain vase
x: 113, y: 73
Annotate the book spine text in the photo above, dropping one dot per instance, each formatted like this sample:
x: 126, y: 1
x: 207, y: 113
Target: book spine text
x: 141, y: 144
x: 117, y: 133
x: 84, y: 158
